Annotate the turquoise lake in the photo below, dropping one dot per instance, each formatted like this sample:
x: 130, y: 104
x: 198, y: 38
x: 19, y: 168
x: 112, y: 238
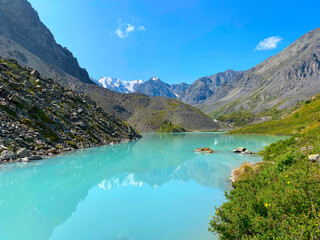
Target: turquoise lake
x: 156, y: 188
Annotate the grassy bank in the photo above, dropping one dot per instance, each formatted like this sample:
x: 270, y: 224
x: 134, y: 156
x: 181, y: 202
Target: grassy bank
x: 280, y: 197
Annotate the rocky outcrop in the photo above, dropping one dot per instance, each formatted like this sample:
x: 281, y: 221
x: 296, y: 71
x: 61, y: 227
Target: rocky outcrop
x: 39, y: 117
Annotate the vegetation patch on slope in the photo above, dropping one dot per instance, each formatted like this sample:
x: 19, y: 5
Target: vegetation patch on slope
x: 307, y: 114
x: 168, y: 127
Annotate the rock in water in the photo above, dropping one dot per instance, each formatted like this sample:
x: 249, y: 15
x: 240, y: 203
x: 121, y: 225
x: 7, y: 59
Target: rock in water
x: 204, y: 150
x: 240, y: 150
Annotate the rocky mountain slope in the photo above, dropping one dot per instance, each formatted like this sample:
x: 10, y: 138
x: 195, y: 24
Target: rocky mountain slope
x: 205, y: 88
x: 154, y: 87
x: 39, y: 117
x: 20, y: 23
x: 291, y: 75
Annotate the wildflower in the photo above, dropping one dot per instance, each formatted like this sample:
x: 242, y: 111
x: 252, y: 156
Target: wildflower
x: 289, y: 182
x: 267, y: 205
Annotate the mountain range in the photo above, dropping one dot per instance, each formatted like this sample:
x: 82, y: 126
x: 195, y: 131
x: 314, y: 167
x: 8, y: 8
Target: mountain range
x: 279, y: 82
x: 154, y: 87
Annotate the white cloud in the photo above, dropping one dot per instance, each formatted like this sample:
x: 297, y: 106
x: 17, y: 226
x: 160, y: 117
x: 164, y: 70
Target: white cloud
x: 124, y: 29
x: 268, y: 43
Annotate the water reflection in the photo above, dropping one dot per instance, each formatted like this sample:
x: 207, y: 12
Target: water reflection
x: 36, y: 198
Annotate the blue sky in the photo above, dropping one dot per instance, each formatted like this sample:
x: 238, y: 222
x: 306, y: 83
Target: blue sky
x: 176, y: 40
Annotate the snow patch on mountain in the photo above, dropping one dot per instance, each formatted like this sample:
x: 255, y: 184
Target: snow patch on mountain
x: 117, y: 85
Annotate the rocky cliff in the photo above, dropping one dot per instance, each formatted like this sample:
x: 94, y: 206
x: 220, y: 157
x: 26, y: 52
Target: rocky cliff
x: 21, y: 23
x: 39, y: 117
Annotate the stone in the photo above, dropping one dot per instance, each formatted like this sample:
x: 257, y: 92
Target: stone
x: 52, y: 151
x: 22, y: 153
x: 240, y: 150
x: 204, y: 150
x: 314, y: 158
x: 34, y: 157
x: 7, y: 155
x: 3, y: 147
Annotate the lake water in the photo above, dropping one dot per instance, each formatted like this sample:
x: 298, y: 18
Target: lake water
x: 156, y: 188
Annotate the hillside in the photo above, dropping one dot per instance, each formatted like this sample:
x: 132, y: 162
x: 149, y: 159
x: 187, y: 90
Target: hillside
x: 281, y: 80
x: 41, y: 116
x: 307, y: 114
x: 147, y: 114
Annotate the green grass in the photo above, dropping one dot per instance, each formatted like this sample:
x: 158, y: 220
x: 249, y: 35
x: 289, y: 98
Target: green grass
x: 297, y: 121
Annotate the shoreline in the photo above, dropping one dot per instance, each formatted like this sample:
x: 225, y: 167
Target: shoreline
x: 55, y: 152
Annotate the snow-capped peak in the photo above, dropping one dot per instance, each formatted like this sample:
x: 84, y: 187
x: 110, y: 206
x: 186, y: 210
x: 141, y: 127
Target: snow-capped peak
x: 115, y: 84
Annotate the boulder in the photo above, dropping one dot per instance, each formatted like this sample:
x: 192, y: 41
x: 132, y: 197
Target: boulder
x: 240, y: 150
x: 314, y: 158
x: 204, y: 150
x: 7, y: 155
x: 22, y: 153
